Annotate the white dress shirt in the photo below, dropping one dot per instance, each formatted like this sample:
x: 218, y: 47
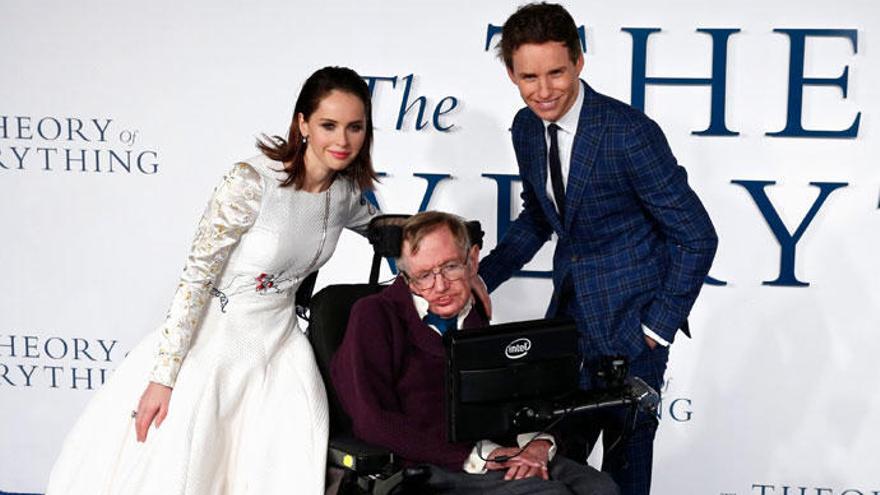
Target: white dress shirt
x: 565, y: 139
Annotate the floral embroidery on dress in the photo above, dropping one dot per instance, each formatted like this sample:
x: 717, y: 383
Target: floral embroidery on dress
x: 265, y: 282
x: 224, y: 300
x: 262, y: 284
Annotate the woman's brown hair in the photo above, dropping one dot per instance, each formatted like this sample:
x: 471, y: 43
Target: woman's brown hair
x: 291, y: 151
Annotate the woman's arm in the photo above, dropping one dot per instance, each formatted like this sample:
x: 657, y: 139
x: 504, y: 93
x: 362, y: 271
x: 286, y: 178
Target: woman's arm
x: 232, y: 210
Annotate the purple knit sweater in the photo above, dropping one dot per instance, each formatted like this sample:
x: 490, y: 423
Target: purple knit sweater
x: 389, y: 376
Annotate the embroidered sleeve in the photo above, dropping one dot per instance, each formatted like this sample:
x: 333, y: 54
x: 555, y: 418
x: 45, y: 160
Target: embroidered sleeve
x: 231, y: 211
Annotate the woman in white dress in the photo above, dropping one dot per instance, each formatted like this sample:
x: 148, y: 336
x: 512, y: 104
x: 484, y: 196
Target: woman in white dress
x: 225, y: 398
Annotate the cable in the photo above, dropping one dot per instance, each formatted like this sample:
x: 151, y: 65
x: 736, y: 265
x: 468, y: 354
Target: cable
x: 629, y: 423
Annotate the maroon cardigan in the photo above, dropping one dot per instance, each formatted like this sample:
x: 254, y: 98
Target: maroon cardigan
x: 389, y: 376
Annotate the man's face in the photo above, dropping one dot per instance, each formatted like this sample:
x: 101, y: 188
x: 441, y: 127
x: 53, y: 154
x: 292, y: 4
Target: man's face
x: 436, y: 250
x: 546, y: 77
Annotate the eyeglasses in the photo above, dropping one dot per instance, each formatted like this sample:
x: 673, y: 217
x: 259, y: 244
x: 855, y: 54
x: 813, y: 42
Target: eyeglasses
x: 451, y: 271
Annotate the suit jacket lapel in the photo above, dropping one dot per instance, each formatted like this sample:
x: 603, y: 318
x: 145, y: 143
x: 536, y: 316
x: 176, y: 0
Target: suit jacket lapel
x: 591, y: 126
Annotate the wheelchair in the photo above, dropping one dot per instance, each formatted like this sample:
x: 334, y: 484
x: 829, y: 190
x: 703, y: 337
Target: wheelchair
x: 368, y: 469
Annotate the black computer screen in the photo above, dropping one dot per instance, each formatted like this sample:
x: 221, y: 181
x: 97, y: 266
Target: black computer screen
x: 494, y: 372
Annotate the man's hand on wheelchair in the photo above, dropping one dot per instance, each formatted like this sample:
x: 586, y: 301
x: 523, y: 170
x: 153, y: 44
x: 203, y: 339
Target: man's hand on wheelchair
x: 479, y: 288
x: 531, y: 462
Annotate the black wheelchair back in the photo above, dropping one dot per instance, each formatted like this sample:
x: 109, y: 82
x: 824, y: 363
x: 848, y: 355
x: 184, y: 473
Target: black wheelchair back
x: 366, y: 468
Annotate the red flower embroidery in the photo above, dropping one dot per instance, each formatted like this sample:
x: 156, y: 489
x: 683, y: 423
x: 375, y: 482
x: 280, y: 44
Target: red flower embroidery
x: 264, y: 282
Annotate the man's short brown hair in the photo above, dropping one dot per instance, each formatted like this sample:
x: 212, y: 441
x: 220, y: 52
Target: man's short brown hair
x: 538, y: 23
x: 419, y: 225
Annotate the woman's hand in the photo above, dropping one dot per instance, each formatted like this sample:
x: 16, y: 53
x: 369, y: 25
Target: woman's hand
x: 152, y: 407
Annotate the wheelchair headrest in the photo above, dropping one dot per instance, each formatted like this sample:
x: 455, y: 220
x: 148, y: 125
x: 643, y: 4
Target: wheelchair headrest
x: 385, y: 233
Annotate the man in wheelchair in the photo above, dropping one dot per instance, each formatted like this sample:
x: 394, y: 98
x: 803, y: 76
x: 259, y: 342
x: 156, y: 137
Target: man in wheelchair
x: 389, y: 375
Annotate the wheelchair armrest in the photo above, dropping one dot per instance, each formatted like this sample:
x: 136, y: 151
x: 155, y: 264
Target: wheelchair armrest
x: 371, y: 469
x: 359, y: 457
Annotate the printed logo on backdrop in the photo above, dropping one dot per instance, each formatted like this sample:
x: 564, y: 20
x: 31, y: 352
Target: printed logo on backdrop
x: 415, y: 111
x: 757, y: 191
x: 81, y: 145
x: 56, y: 362
x: 677, y: 408
x: 717, y: 51
x: 420, y: 113
x: 798, y: 489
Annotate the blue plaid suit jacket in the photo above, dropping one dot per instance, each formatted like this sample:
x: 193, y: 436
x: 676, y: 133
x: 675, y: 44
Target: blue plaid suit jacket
x: 636, y: 241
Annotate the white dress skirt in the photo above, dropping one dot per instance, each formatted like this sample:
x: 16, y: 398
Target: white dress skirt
x: 248, y: 411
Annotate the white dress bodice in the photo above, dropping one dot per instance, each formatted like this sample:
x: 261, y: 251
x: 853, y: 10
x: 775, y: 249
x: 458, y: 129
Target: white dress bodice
x: 279, y: 234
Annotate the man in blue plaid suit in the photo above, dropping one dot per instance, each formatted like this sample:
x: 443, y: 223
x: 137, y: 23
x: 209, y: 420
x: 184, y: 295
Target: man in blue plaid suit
x: 634, y: 242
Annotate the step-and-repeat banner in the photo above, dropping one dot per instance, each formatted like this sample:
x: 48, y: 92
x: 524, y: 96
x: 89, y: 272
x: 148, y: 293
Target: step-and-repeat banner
x: 118, y: 118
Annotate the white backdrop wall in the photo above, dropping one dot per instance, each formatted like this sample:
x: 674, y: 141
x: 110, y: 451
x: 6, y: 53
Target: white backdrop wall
x: 776, y: 393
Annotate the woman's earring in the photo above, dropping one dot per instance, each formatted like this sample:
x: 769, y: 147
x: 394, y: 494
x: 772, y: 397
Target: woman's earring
x: 305, y: 139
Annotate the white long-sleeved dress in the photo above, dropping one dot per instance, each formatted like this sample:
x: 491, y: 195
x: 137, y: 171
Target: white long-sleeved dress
x: 248, y: 413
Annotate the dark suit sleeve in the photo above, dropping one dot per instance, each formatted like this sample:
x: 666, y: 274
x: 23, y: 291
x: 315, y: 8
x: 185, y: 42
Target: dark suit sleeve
x: 364, y: 375
x: 526, y: 234
x: 661, y: 185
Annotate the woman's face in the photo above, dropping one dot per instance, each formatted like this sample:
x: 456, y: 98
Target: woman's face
x: 336, y: 131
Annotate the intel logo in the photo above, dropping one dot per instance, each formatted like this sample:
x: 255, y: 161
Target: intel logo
x: 518, y: 348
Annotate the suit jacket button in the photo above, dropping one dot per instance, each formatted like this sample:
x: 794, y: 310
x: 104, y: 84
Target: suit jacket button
x: 574, y: 259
